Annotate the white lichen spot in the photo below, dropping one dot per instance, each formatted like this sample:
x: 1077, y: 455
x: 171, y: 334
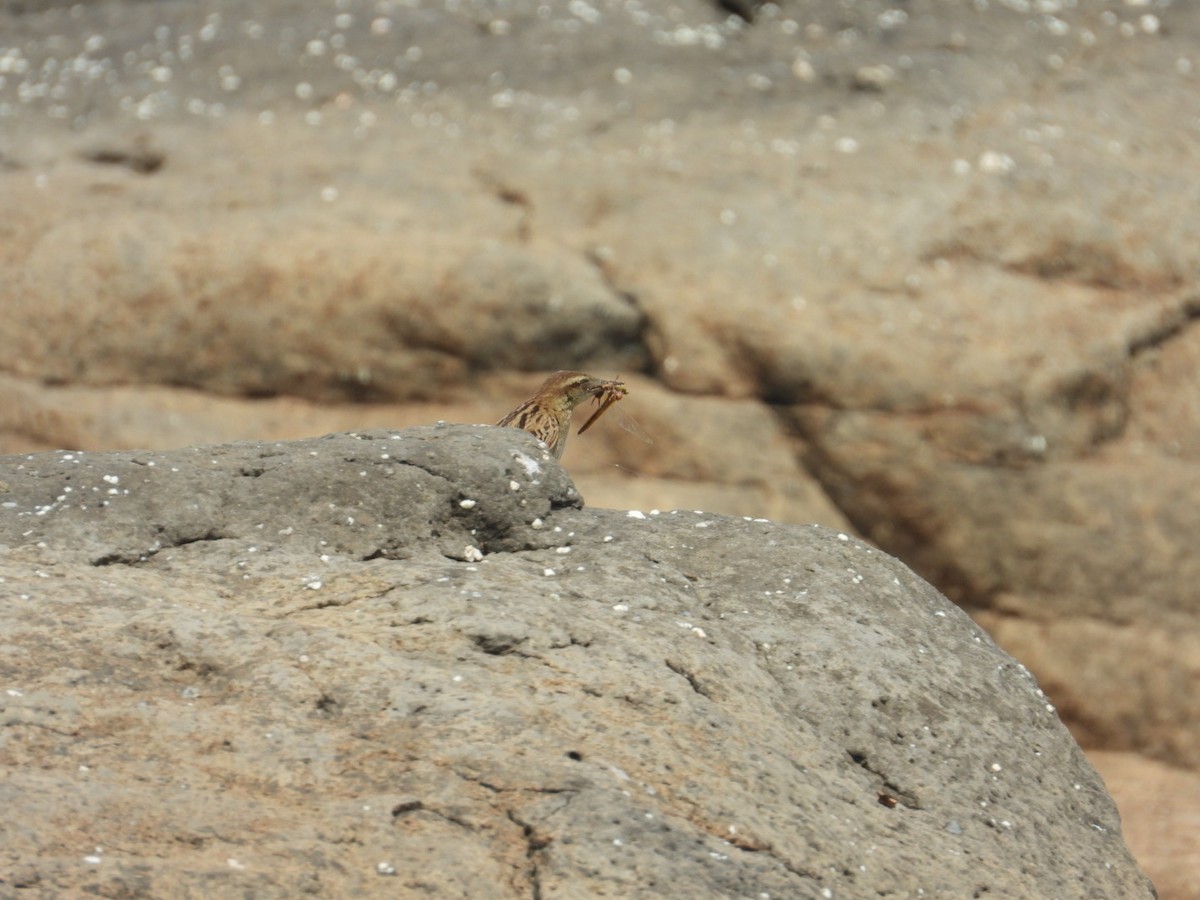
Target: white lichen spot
x: 562, y: 551
x: 514, y: 485
x: 112, y: 479
x: 467, y: 504
x: 607, y: 539
x: 314, y: 584
x: 472, y: 554
x: 843, y: 537
x: 385, y: 868
x: 621, y: 607
x: 532, y: 466
x: 635, y: 514
x: 548, y: 572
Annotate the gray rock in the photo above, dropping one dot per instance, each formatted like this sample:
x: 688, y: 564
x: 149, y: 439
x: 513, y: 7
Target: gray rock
x: 899, y: 236
x: 389, y: 663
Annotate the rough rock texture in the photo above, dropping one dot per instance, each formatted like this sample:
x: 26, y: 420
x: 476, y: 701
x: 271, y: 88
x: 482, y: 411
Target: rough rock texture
x: 926, y: 270
x: 410, y: 661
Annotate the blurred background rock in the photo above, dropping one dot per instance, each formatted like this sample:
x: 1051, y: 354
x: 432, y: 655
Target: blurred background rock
x: 924, y: 270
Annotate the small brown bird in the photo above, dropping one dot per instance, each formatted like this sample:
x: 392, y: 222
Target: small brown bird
x: 547, y: 414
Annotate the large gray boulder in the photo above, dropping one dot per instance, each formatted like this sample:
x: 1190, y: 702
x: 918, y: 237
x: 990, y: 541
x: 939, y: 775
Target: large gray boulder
x: 939, y: 257
x: 392, y: 663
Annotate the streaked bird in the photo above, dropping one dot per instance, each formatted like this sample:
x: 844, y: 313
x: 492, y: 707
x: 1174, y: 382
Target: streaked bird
x: 547, y: 414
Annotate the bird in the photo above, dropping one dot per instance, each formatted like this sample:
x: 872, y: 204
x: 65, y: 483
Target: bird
x: 547, y: 414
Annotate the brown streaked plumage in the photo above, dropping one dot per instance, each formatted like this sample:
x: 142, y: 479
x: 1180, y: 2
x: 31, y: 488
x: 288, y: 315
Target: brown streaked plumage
x: 547, y: 414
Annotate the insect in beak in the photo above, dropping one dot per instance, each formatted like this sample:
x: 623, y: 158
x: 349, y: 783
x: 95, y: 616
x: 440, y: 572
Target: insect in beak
x: 608, y: 394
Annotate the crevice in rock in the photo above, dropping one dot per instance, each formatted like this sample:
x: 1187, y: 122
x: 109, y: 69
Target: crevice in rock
x: 509, y: 195
x: 334, y: 604
x: 892, y: 790
x: 535, y: 842
x: 140, y: 158
x: 379, y: 553
x: 328, y: 704
x: 564, y: 502
x: 15, y: 723
x: 750, y: 844
x: 407, y: 806
x: 495, y: 644
x: 507, y: 789
x: 394, y: 460
x: 137, y: 558
x: 478, y: 779
x: 1161, y: 333
x: 646, y: 331
x: 696, y: 685
x: 743, y: 9
x: 121, y: 558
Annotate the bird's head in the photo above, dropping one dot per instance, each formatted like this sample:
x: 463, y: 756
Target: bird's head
x: 568, y: 389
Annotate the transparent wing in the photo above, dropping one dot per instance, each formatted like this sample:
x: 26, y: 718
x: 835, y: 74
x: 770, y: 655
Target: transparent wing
x: 629, y: 423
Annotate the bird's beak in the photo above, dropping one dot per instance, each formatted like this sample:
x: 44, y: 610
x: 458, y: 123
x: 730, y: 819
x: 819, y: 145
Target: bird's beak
x: 605, y: 393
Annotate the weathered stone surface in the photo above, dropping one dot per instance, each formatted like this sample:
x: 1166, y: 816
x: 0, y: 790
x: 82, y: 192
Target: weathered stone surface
x: 748, y: 467
x: 926, y: 268
x: 148, y: 301
x: 406, y: 661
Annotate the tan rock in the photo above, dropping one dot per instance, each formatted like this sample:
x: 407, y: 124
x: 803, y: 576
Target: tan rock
x: 1159, y: 817
x: 961, y: 310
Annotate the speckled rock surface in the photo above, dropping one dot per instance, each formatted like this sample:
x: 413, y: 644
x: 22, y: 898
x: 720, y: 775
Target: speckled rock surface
x: 411, y: 661
x: 923, y: 270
